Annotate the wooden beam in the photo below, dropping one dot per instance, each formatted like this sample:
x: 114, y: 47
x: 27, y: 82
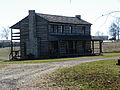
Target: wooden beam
x: 84, y: 46
x: 100, y: 43
x: 16, y: 39
x: 58, y: 48
x: 15, y: 36
x: 11, y: 45
x: 93, y: 47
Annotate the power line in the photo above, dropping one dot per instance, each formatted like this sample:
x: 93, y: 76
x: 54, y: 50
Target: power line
x: 108, y: 14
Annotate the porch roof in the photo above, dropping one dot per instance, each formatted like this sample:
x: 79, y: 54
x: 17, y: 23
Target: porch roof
x: 72, y: 37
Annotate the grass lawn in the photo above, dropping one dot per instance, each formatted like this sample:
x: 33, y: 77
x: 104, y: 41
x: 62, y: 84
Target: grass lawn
x: 4, y: 53
x: 111, y: 46
x: 59, y: 59
x: 98, y: 75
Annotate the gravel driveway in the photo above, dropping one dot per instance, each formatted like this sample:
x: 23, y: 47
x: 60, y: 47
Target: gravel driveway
x: 22, y: 76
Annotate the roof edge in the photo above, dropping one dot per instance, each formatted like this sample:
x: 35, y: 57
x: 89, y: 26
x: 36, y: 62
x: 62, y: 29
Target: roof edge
x: 17, y: 25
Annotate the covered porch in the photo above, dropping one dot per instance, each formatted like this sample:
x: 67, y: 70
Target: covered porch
x: 74, y: 47
x: 15, y: 52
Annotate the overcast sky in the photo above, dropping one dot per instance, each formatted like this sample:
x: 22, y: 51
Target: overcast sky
x: 11, y: 11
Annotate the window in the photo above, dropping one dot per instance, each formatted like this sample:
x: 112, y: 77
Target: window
x: 61, y: 29
x: 70, y: 29
x: 54, y: 28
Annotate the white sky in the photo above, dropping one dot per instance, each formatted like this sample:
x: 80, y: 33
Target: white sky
x: 14, y: 10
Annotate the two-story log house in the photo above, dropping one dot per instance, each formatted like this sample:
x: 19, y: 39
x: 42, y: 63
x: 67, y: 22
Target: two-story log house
x: 44, y: 36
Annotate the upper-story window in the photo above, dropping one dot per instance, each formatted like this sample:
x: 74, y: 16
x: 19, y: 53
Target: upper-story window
x: 54, y: 28
x: 61, y: 29
x: 70, y: 29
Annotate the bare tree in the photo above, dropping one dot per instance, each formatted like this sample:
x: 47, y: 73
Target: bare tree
x: 118, y: 27
x: 114, y: 29
x: 5, y: 33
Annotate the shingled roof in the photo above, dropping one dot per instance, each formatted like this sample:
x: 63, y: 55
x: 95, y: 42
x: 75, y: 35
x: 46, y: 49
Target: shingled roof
x: 62, y: 19
x: 55, y: 19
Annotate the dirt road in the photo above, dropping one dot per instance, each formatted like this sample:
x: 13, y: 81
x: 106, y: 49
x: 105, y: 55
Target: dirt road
x: 23, y: 76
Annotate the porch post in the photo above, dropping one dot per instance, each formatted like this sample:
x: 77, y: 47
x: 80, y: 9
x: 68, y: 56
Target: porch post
x: 11, y: 43
x: 74, y: 47
x: 58, y: 48
x: 100, y: 43
x: 67, y: 49
x: 93, y: 47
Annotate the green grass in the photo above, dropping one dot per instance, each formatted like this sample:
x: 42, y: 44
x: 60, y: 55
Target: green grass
x: 111, y: 46
x: 60, y: 59
x: 99, y: 75
x: 4, y: 53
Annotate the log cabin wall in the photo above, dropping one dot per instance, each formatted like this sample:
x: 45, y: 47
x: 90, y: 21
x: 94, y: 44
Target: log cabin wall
x: 42, y: 36
x: 24, y: 36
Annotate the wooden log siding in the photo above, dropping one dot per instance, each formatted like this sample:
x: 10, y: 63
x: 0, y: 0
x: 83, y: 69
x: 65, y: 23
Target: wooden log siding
x: 88, y: 46
x: 24, y: 36
x: 78, y: 30
x: 79, y: 47
x: 62, y: 47
x: 41, y: 28
x: 42, y: 37
x: 87, y: 31
x: 23, y: 49
x: 44, y: 48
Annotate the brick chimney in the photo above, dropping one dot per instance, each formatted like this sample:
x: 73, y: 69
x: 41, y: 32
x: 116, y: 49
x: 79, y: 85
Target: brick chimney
x: 78, y: 16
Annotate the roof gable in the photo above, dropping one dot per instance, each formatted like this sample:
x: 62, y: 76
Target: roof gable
x: 17, y: 25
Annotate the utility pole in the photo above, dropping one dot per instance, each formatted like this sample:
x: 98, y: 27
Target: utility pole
x: 118, y: 28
